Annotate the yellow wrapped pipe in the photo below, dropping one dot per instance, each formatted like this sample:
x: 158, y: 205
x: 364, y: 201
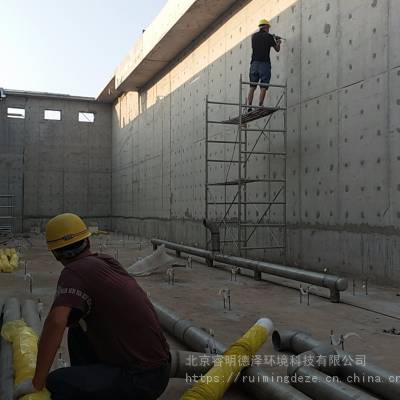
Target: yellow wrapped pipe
x: 14, y: 260
x: 214, y: 384
x: 5, y: 265
x: 24, y: 344
x: 8, y: 260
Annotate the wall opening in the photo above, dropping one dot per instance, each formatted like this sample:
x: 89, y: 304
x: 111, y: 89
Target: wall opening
x: 52, y: 115
x: 86, y: 117
x: 18, y: 113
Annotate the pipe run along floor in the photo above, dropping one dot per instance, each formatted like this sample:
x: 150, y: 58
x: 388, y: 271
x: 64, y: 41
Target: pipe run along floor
x: 195, y: 295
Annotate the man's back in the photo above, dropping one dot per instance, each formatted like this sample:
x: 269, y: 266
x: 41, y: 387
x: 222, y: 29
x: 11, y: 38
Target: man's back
x: 122, y: 325
x: 261, y: 43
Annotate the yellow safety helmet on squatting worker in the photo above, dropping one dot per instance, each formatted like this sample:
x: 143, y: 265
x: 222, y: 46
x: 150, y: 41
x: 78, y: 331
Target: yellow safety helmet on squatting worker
x: 65, y: 230
x: 264, y: 22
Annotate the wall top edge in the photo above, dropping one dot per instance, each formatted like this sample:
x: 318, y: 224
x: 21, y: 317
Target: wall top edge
x: 46, y: 95
x: 162, y: 42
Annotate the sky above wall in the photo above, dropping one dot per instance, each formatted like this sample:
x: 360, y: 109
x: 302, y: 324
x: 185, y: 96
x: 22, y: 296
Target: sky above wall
x: 68, y: 46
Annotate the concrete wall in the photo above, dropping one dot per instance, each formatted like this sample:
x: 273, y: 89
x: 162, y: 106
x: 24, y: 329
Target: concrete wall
x: 56, y: 166
x: 342, y: 66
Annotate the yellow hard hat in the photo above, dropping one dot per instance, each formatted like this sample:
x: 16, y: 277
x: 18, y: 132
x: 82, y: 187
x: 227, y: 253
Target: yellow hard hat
x: 65, y: 229
x: 264, y: 22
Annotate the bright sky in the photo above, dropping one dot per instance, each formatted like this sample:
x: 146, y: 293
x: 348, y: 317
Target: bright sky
x: 68, y: 46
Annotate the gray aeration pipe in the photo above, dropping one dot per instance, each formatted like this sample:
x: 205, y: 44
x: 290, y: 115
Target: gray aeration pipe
x: 368, y: 376
x: 213, y: 227
x: 319, y: 385
x: 334, y: 283
x: 255, y: 380
x: 11, y: 313
x: 31, y: 316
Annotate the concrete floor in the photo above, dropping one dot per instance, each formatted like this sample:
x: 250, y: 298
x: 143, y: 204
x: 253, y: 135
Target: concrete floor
x: 195, y: 296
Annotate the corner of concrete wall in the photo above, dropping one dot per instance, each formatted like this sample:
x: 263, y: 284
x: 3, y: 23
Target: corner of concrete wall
x: 56, y: 166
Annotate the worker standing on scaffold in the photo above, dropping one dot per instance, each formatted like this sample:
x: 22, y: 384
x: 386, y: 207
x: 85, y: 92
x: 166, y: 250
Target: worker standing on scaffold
x: 260, y: 67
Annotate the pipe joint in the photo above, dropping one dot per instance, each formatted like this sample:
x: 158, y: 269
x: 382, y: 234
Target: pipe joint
x: 213, y: 227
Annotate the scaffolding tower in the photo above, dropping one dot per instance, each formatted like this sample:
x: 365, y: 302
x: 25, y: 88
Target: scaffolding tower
x: 249, y: 207
x: 6, y: 214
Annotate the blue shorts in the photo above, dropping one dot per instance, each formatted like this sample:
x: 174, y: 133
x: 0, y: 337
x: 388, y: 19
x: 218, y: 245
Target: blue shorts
x: 260, y: 72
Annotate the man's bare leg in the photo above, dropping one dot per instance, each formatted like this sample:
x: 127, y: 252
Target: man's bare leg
x: 263, y: 92
x: 250, y: 96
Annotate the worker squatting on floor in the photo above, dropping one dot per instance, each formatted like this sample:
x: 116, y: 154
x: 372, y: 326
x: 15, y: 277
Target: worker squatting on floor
x: 260, y: 66
x: 116, y: 345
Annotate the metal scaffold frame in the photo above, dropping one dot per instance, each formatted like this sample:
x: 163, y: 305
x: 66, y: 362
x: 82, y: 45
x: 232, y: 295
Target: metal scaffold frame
x: 6, y: 214
x: 272, y: 229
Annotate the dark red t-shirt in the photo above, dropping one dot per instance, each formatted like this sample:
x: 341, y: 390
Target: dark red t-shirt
x: 122, y: 324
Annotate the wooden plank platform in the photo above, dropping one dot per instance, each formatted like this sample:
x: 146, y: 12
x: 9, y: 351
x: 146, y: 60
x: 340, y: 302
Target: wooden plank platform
x: 252, y: 116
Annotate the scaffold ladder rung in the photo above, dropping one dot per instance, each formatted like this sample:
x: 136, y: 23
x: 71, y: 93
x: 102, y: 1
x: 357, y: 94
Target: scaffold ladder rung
x: 231, y: 190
